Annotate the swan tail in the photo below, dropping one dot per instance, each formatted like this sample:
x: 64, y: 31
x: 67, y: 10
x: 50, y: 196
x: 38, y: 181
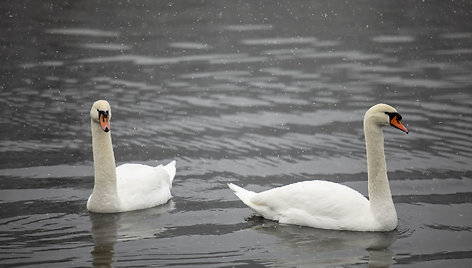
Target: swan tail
x: 171, y: 170
x: 243, y: 194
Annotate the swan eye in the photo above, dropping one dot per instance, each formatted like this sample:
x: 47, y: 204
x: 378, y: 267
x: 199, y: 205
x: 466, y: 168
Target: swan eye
x: 104, y: 113
x: 392, y: 115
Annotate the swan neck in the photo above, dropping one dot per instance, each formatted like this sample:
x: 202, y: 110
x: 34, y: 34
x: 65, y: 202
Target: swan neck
x: 104, y: 160
x: 379, y: 189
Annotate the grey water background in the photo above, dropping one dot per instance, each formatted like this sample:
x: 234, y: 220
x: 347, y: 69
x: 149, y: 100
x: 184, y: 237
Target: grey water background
x: 258, y: 93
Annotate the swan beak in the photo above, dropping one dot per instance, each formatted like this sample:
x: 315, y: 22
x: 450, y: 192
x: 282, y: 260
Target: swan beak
x: 396, y: 123
x: 104, y: 122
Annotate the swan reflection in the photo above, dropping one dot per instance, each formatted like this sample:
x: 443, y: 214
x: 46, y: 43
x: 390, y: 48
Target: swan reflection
x: 107, y: 229
x: 310, y: 247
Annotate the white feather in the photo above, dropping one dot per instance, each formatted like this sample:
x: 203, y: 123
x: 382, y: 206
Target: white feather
x: 329, y: 205
x: 130, y: 186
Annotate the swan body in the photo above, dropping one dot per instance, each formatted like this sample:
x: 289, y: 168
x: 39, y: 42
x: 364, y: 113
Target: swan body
x: 329, y: 205
x: 129, y: 186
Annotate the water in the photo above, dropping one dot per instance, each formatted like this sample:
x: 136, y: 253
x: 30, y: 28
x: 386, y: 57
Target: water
x: 261, y: 94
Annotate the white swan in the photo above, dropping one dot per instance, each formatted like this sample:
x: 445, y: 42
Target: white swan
x: 130, y: 186
x: 328, y: 205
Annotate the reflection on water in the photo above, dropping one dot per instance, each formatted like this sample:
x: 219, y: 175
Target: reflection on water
x: 104, y: 233
x: 107, y: 229
x: 309, y: 247
x: 261, y: 94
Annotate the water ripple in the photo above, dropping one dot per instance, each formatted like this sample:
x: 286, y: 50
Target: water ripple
x: 262, y: 97
x: 148, y: 60
x: 83, y: 31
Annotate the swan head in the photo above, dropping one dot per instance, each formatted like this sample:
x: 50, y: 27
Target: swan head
x: 101, y: 114
x: 384, y: 115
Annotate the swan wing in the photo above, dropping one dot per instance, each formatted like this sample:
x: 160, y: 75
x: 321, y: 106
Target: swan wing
x: 319, y: 204
x: 141, y: 186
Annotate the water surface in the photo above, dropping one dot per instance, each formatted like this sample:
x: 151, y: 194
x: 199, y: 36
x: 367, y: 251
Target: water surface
x: 260, y: 94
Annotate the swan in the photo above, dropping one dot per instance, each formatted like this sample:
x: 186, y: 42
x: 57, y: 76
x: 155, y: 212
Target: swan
x: 129, y: 186
x: 329, y: 205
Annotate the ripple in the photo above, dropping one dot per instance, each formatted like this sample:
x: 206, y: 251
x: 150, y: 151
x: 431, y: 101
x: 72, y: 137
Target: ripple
x: 412, y: 82
x: 393, y: 39
x: 125, y: 83
x: 279, y: 41
x: 457, y: 35
x: 295, y: 74
x: 229, y: 75
x: 189, y: 45
x: 83, y: 32
x: 149, y: 60
x: 53, y: 145
x: 106, y: 46
x: 248, y: 27
x: 457, y: 51
x: 43, y: 64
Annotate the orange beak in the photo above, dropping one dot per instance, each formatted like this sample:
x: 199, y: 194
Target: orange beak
x: 396, y: 123
x: 104, y: 122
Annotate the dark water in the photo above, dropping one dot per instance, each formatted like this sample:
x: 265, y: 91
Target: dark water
x: 259, y: 93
